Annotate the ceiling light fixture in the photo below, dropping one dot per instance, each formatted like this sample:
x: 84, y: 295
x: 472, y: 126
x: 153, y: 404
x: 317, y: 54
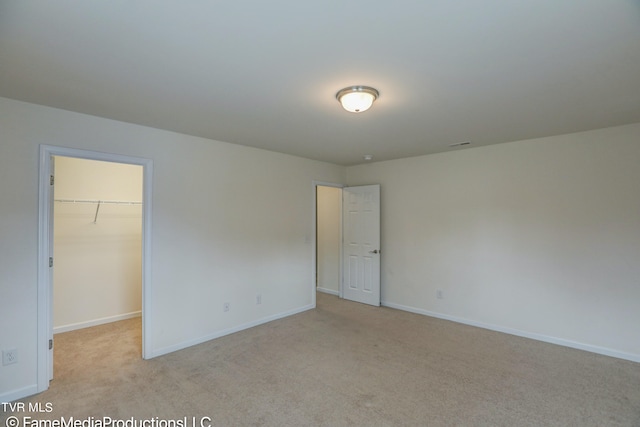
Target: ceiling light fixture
x: 357, y: 99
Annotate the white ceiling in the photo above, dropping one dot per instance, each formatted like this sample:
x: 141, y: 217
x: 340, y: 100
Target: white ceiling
x: 265, y: 74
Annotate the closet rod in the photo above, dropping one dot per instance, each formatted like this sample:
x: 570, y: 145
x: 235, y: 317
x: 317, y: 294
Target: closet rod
x: 104, y: 202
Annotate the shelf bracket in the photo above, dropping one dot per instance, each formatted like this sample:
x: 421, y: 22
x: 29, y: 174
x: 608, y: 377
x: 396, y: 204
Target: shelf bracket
x: 95, y: 219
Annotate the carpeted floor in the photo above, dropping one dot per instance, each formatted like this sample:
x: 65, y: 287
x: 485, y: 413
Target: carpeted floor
x: 342, y: 364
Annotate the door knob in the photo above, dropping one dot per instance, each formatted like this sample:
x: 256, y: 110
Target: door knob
x: 375, y: 251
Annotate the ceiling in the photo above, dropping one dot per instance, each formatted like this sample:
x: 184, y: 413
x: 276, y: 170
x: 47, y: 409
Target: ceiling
x: 265, y: 74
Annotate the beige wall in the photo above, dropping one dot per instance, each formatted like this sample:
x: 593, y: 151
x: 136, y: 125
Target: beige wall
x: 329, y: 216
x: 539, y: 238
x: 228, y: 222
x: 97, y: 275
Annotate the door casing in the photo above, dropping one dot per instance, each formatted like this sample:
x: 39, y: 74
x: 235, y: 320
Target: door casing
x: 45, y: 243
x: 314, y: 241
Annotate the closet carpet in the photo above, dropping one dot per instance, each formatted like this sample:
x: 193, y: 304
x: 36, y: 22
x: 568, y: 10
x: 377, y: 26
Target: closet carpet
x: 342, y: 364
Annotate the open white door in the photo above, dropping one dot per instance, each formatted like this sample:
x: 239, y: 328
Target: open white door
x: 361, y: 244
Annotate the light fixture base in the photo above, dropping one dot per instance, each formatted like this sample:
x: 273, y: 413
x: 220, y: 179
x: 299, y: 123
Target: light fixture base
x: 357, y: 99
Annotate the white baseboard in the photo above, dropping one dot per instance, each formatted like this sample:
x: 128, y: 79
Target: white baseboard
x: 12, y: 395
x: 539, y: 337
x: 96, y: 322
x: 328, y: 291
x: 200, y: 340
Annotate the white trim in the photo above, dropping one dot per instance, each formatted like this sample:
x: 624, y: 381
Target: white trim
x: 96, y: 322
x: 43, y: 294
x: 44, y: 325
x: 209, y: 337
x: 327, y: 184
x: 531, y: 335
x: 328, y: 291
x: 19, y: 393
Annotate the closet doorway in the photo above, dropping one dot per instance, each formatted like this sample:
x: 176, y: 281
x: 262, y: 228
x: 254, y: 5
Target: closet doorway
x: 328, y: 271
x: 349, y: 269
x: 97, y: 243
x: 101, y: 204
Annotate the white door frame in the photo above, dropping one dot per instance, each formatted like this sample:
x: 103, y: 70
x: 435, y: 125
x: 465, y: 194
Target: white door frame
x: 314, y: 241
x: 44, y: 324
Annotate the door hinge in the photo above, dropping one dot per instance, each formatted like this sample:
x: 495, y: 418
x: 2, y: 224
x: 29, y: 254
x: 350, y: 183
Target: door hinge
x: 51, y: 179
x: 50, y: 261
x: 50, y: 344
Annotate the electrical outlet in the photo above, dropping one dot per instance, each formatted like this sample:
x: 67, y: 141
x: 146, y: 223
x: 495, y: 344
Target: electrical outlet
x: 225, y: 306
x: 439, y: 294
x: 9, y: 357
x: 259, y: 299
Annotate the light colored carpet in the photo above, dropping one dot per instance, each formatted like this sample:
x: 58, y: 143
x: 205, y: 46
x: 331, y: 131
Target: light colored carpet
x: 343, y: 364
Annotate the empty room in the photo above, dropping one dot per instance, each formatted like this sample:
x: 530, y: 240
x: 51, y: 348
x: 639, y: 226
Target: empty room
x: 343, y: 213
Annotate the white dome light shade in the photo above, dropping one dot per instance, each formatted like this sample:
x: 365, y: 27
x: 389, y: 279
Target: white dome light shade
x: 357, y: 99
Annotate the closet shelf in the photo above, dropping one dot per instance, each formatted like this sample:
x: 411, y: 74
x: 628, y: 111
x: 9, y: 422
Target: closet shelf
x: 102, y: 202
x: 98, y: 203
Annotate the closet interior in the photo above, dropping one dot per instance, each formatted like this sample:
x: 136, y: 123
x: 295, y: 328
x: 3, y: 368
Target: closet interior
x: 97, y: 242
